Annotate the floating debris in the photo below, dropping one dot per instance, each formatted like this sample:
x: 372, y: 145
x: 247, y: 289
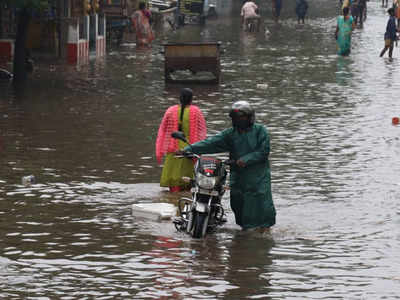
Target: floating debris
x: 262, y: 86
x: 28, y: 180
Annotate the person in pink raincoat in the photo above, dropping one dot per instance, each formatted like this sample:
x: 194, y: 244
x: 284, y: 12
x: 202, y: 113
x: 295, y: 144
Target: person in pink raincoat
x: 187, y: 118
x: 141, y: 23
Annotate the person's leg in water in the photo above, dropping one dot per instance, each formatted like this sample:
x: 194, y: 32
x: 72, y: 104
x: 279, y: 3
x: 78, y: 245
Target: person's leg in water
x: 383, y: 51
x: 391, y: 50
x: 247, y: 26
x: 264, y: 230
x: 388, y: 46
x: 355, y: 13
x: 276, y: 17
x: 361, y: 14
x: 276, y: 9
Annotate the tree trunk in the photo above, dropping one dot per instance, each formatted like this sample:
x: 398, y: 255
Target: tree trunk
x: 20, y: 52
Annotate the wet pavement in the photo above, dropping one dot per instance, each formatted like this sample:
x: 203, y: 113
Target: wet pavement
x: 87, y: 134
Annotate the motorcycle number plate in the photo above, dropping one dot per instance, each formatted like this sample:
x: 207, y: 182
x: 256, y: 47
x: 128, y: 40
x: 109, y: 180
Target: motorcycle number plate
x: 201, y: 207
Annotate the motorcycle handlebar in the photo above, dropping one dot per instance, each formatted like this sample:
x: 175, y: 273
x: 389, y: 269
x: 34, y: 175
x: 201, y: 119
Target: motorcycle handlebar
x: 228, y: 162
x: 187, y: 155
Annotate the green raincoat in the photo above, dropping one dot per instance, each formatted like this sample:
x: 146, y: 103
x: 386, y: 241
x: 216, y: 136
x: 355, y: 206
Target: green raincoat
x: 251, y: 197
x: 344, y: 35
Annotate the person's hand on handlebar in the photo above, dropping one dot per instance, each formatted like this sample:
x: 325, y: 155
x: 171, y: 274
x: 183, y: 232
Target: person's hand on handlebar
x: 240, y: 163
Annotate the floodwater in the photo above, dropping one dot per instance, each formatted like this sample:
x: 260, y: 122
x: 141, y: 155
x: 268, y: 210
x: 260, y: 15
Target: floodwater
x: 87, y: 135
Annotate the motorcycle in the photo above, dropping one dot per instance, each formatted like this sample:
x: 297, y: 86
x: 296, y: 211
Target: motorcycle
x: 203, y: 212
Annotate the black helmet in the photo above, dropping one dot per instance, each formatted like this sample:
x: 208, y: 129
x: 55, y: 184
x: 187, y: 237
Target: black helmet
x: 186, y: 96
x: 240, y: 108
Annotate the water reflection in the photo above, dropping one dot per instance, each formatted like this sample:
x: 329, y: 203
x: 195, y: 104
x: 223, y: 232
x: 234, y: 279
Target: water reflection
x: 344, y: 71
x: 249, y: 265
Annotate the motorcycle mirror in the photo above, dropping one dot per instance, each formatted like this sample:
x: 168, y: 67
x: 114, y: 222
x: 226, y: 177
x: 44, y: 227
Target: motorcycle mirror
x: 179, y: 135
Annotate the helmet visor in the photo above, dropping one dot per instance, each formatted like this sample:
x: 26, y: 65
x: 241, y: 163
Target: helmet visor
x: 236, y: 113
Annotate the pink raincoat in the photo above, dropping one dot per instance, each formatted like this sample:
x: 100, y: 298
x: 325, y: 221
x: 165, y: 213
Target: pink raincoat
x: 141, y: 24
x: 197, y: 130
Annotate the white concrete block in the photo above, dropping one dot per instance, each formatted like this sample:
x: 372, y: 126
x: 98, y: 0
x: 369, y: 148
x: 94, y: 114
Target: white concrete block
x: 154, y: 211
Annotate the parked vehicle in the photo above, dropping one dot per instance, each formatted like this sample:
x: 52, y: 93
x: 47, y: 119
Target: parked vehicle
x: 202, y: 213
x: 192, y: 12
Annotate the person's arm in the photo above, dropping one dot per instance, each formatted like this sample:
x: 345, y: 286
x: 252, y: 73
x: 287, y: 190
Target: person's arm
x: 256, y: 10
x: 216, y: 144
x: 261, y: 153
x: 255, y: 7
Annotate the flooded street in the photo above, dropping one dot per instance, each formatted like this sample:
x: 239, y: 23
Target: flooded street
x: 88, y: 137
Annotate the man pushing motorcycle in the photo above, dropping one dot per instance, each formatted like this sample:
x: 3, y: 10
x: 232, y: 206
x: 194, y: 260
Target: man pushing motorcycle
x: 248, y: 145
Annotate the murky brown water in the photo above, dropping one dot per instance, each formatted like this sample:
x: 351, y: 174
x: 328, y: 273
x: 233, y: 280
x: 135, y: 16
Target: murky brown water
x: 88, y: 137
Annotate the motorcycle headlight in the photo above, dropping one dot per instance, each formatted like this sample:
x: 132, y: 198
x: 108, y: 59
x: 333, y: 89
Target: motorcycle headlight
x: 205, y: 182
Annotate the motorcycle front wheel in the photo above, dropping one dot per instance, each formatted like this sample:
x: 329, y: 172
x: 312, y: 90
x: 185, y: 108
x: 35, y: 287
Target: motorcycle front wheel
x: 200, y: 223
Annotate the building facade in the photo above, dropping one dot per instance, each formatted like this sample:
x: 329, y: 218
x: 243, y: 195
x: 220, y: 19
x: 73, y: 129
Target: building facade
x: 67, y: 29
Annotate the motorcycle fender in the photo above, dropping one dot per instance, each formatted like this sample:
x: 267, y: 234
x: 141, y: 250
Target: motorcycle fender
x: 201, y: 207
